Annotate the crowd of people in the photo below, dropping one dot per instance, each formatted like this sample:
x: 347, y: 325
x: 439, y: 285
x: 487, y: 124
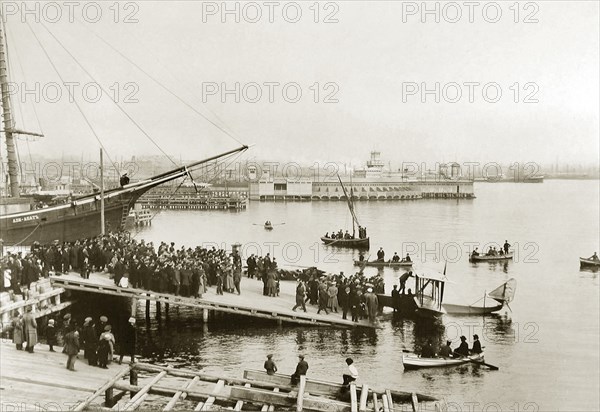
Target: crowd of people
x: 354, y: 295
x: 95, y: 338
x: 428, y: 351
x: 492, y: 251
x: 340, y: 234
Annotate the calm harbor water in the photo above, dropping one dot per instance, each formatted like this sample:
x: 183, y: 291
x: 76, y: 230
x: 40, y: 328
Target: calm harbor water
x: 547, y: 347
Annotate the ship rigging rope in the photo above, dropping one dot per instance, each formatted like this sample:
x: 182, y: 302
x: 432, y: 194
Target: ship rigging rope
x: 234, y: 157
x: 107, y: 93
x: 71, y: 95
x: 188, y: 105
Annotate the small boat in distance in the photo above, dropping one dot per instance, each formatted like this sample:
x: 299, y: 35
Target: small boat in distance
x: 503, y: 295
x: 268, y: 225
x: 491, y: 258
x: 413, y: 361
x: 353, y: 241
x: 378, y: 263
x: 589, y: 263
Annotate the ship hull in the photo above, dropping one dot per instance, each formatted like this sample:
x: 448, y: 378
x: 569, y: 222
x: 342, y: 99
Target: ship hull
x: 65, y: 223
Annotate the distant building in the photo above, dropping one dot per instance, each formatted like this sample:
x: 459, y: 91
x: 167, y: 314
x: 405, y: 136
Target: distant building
x: 372, y: 182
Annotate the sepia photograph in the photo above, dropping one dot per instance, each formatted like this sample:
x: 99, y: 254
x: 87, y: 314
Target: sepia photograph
x: 310, y: 205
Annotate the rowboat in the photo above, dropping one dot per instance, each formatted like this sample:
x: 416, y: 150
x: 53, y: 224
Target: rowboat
x: 583, y: 262
x: 413, y: 361
x: 268, y: 226
x: 491, y: 258
x: 353, y: 243
x: 383, y: 264
x: 502, y: 295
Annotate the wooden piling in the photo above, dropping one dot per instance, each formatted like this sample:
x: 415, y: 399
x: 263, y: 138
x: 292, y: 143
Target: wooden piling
x: 388, y: 395
x: 204, y: 315
x: 300, y: 397
x: 353, y: 402
x: 414, y: 401
x: 364, y: 395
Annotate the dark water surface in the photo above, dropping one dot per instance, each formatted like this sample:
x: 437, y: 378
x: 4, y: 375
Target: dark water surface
x: 547, y: 348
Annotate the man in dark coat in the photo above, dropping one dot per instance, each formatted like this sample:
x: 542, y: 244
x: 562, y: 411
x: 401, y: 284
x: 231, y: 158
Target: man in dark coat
x: 395, y: 298
x: 344, y: 300
x: 129, y: 341
x: 90, y: 341
x: 300, y: 292
x: 476, y: 345
x: 72, y: 348
x: 463, y: 349
x: 301, y: 369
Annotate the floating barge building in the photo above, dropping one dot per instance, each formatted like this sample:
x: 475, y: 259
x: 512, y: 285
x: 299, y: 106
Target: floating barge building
x: 371, y: 183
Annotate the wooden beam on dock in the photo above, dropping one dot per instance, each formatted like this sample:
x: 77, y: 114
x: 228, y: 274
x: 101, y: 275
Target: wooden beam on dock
x: 81, y: 406
x: 414, y: 402
x: 325, y: 388
x: 375, y: 402
x: 218, y: 387
x: 388, y: 395
x: 267, y: 407
x: 135, y: 402
x: 384, y: 401
x: 180, y: 394
x: 239, y: 404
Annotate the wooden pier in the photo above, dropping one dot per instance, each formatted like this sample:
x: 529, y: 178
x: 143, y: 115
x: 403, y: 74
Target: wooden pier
x: 40, y: 380
x: 166, y: 388
x: 251, y: 302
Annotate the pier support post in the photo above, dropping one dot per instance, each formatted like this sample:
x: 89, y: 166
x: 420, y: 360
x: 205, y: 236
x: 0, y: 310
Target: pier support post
x: 133, y: 381
x: 147, y: 308
x: 204, y: 315
x: 109, y: 398
x: 134, y: 302
x: 279, y: 322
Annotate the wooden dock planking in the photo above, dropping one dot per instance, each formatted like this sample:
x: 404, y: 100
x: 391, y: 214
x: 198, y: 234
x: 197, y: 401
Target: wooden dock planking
x: 217, y: 389
x: 250, y: 303
x: 319, y: 387
x: 31, y: 380
x: 181, y: 394
x: 239, y: 404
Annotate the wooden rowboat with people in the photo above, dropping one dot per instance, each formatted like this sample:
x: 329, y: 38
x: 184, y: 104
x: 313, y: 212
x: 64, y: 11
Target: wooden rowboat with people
x: 413, y: 361
x: 379, y: 263
x: 351, y: 243
x: 491, y: 258
x: 347, y: 240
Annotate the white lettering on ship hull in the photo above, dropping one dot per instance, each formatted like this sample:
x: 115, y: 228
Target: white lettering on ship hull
x: 25, y: 219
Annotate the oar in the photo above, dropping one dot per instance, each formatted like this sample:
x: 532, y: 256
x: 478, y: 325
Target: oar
x: 275, y: 224
x: 492, y: 367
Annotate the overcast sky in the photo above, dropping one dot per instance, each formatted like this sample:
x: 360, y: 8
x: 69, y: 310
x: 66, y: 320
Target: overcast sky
x: 373, y: 61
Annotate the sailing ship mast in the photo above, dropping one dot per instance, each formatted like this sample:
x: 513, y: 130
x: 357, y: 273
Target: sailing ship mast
x: 350, y: 206
x: 7, y: 121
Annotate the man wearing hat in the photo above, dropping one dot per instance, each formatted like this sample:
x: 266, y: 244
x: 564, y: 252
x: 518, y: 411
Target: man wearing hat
x: 129, y: 341
x: 90, y: 341
x: 301, y: 369
x: 352, y: 374
x: 463, y: 349
x: 372, y: 303
x: 476, y: 345
x: 51, y: 334
x: 30, y: 329
x: 270, y: 366
x: 71, y: 347
x: 446, y: 350
x: 105, y: 347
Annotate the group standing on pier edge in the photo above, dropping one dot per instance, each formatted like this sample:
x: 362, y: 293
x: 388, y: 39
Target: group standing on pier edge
x: 96, y: 339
